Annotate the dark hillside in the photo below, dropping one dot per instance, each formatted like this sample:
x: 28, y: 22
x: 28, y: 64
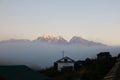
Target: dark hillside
x: 89, y: 69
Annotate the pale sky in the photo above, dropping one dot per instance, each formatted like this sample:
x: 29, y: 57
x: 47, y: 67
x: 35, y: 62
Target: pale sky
x: 97, y: 20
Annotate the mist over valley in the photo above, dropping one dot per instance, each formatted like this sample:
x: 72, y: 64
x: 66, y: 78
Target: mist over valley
x: 44, y: 51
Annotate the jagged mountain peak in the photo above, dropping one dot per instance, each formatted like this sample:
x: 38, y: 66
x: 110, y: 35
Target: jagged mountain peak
x: 51, y: 39
x: 76, y: 39
x: 47, y: 36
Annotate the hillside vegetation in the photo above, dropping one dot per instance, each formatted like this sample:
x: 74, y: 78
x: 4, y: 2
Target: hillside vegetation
x: 91, y: 69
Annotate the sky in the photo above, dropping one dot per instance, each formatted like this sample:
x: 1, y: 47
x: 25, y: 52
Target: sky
x: 96, y: 20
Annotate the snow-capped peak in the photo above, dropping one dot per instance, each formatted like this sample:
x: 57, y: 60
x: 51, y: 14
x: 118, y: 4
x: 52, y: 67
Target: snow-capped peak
x: 47, y: 36
x: 51, y: 39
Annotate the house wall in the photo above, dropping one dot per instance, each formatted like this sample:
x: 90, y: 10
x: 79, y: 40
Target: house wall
x: 61, y: 65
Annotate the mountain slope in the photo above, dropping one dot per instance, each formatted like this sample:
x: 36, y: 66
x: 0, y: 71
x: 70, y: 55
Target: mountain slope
x: 81, y: 41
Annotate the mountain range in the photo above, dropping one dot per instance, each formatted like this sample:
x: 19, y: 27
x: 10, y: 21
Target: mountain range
x: 58, y: 40
x: 43, y: 51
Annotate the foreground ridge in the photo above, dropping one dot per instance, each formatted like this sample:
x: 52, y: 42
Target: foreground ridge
x: 114, y: 73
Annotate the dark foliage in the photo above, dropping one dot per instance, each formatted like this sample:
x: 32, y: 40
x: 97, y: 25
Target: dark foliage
x: 98, y: 69
x: 88, y: 69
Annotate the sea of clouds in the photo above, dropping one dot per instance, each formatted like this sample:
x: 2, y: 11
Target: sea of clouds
x: 38, y: 55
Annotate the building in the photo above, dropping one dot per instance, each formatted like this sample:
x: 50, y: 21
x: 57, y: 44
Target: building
x: 20, y: 73
x: 65, y: 63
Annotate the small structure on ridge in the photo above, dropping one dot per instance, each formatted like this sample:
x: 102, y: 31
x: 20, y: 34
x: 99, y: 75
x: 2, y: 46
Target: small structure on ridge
x: 65, y: 63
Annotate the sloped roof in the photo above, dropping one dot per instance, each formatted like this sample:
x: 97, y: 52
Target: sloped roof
x: 63, y: 60
x: 20, y: 73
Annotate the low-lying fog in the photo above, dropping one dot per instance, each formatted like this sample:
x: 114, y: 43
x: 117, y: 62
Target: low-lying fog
x: 36, y: 55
